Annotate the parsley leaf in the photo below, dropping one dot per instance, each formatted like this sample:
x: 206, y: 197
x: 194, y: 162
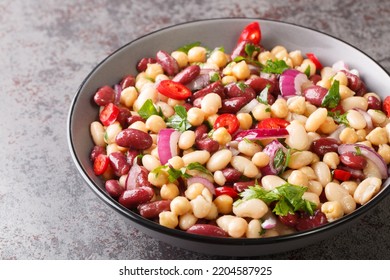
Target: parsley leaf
x: 275, y: 67
x: 263, y: 96
x: 339, y: 118
x: 238, y: 58
x: 332, y: 98
x: 214, y: 76
x: 148, y: 109
x: 187, y: 47
x: 279, y: 158
x: 251, y: 50
x: 197, y: 166
x: 307, y: 71
x: 179, y: 120
x: 174, y: 174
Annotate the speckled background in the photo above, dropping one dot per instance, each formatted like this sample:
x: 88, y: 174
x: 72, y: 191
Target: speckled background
x: 47, y: 47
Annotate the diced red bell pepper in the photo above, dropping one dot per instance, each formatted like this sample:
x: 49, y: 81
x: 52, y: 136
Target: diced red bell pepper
x: 315, y: 60
x: 341, y: 175
x: 226, y: 190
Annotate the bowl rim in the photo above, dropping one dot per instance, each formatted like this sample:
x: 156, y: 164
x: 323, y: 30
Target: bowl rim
x: 151, y: 225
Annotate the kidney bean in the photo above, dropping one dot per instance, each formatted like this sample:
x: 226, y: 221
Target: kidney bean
x: 231, y: 174
x: 119, y: 164
x: 134, y: 197
x: 234, y: 90
x: 324, y: 145
x: 208, y: 230
x: 258, y: 84
x: 315, y: 94
x: 354, y: 82
x: 168, y: 63
x: 133, y: 119
x: 143, y: 63
x: 200, y: 131
x: 97, y: 150
x: 207, y: 144
x: 152, y: 209
x: 142, y: 178
x: 215, y: 87
x: 198, y: 102
x: 130, y: 156
x: 353, y: 160
x: 241, y: 186
x: 374, y: 103
x: 232, y: 105
x: 187, y: 75
x: 290, y: 220
x: 187, y: 106
x: 113, y: 188
x: 306, y: 222
x: 134, y: 138
x: 104, y: 96
x: 123, y: 117
x: 127, y: 81
x: 362, y: 90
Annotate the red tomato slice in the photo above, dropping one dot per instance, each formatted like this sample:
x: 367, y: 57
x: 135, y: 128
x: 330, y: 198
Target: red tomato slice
x: 226, y: 190
x: 315, y: 60
x: 109, y: 114
x: 173, y: 90
x: 100, y: 164
x: 251, y: 33
x: 273, y: 123
x: 386, y: 106
x: 229, y: 121
x: 341, y: 175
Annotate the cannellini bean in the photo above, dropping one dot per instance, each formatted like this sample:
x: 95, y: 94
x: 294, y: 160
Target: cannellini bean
x: 371, y: 170
x: 252, y: 208
x: 334, y: 192
x: 187, y: 139
x: 219, y: 178
x: 384, y: 152
x: 234, y: 226
x: 197, y: 156
x: 245, y: 166
x: 159, y: 179
x: 213, y: 213
x: 315, y: 120
x: 315, y: 187
x: 260, y: 159
x: 150, y: 162
x: 354, y: 102
x: 322, y: 172
x: 333, y: 210
x: 378, y: 117
x: 97, y: 133
x: 367, y: 189
x: 297, y: 138
x: 356, y: 120
x: 299, y: 178
x: 312, y: 197
x: 254, y: 229
x: 219, y: 160
x: 331, y: 159
x: 350, y: 186
x: 300, y: 159
x: 211, y: 103
x: 248, y: 148
x: 194, y: 190
x: 270, y: 182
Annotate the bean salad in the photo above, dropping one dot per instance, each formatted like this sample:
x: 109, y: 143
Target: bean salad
x: 247, y: 144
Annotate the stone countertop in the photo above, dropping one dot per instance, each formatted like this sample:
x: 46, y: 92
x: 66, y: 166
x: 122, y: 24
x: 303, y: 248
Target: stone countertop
x: 47, y: 47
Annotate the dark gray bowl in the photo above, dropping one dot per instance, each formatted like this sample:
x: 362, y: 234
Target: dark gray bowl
x: 213, y: 33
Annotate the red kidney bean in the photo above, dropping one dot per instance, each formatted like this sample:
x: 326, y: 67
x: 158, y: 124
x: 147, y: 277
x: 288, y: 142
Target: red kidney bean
x: 134, y: 197
x: 215, y: 87
x: 97, y: 150
x: 207, y: 144
x: 233, y: 105
x: 208, y: 230
x: 113, y: 188
x: 187, y: 106
x: 290, y: 220
x: 133, y: 119
x: 123, y: 117
x: 231, y: 174
x: 315, y: 78
x: 104, y: 96
x: 143, y: 63
x: 134, y: 138
x: 362, y: 90
x: 353, y: 160
x: 119, y: 164
x: 374, y: 103
x: 151, y: 210
x: 234, y: 90
x: 187, y: 75
x: 315, y: 94
x: 200, y: 131
x: 241, y: 186
x: 324, y: 145
x: 306, y: 221
x: 167, y: 62
x: 198, y: 102
x: 142, y: 178
x: 354, y: 82
x: 259, y: 84
x: 131, y: 155
x: 127, y: 81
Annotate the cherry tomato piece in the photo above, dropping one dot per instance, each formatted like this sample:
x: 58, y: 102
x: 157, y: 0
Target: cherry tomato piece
x: 109, y: 114
x: 251, y: 33
x: 341, y: 175
x: 100, y: 164
x: 386, y: 106
x: 173, y: 90
x: 315, y: 60
x: 273, y: 123
x: 226, y: 190
x: 229, y: 121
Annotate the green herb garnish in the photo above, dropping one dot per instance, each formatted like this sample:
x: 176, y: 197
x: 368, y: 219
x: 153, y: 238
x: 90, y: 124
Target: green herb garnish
x: 148, y: 109
x: 251, y: 50
x: 197, y: 166
x: 338, y: 117
x: 186, y: 48
x: 263, y: 96
x: 332, y: 98
x: 275, y: 67
x: 179, y: 120
x: 307, y: 71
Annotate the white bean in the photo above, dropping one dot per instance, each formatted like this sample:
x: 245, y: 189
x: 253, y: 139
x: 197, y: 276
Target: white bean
x: 252, y: 208
x: 322, y: 172
x: 254, y: 229
x: 270, y: 182
x: 297, y: 138
x: 245, y: 166
x: 367, y: 189
x: 315, y: 120
x: 97, y: 133
x: 219, y: 160
x: 197, y: 156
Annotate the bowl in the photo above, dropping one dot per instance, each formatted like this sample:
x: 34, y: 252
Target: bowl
x: 214, y: 32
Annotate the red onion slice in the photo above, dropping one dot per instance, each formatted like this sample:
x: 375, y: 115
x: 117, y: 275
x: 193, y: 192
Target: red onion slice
x: 167, y: 144
x: 203, y: 181
x: 131, y: 178
x: 271, y: 149
x: 249, y: 107
x: 269, y: 222
x: 340, y: 65
x: 369, y: 153
x: 261, y: 133
x: 290, y: 82
x: 118, y: 92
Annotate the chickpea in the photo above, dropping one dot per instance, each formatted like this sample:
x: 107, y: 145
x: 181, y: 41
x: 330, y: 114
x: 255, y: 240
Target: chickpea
x: 384, y: 152
x: 169, y: 191
x: 348, y: 136
x: 200, y: 206
x: 128, y: 96
x: 158, y: 179
x: 241, y: 70
x: 331, y: 159
x: 327, y: 73
x: 279, y: 109
x: 279, y: 52
x: 194, y: 190
x: 341, y: 77
x: 328, y: 126
x: 187, y: 220
x: 296, y: 57
x: 150, y: 162
x: 333, y: 210
x: 195, y: 116
x: 224, y: 204
x: 222, y: 136
x: 219, y: 58
x: 139, y: 125
x: 378, y: 117
x: 155, y: 123
x: 168, y: 219
x: 180, y: 205
x: 245, y: 120
x: 299, y: 178
x: 378, y: 136
x: 197, y: 54
x: 228, y: 79
x: 153, y: 70
x: 261, y: 112
x: 307, y: 63
x: 263, y: 57
x: 325, y: 83
x: 181, y: 58
x: 210, y: 104
x: 297, y: 105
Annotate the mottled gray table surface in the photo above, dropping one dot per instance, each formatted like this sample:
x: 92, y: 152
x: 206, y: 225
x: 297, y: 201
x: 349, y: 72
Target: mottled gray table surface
x: 47, y: 47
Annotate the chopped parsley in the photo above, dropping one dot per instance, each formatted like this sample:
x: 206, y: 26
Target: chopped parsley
x: 275, y: 67
x: 179, y: 120
x: 148, y: 109
x: 338, y: 117
x: 174, y: 174
x: 187, y: 47
x: 332, y: 98
x: 263, y: 96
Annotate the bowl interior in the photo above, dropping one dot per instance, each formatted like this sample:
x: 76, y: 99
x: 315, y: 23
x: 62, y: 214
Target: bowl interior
x: 211, y: 33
